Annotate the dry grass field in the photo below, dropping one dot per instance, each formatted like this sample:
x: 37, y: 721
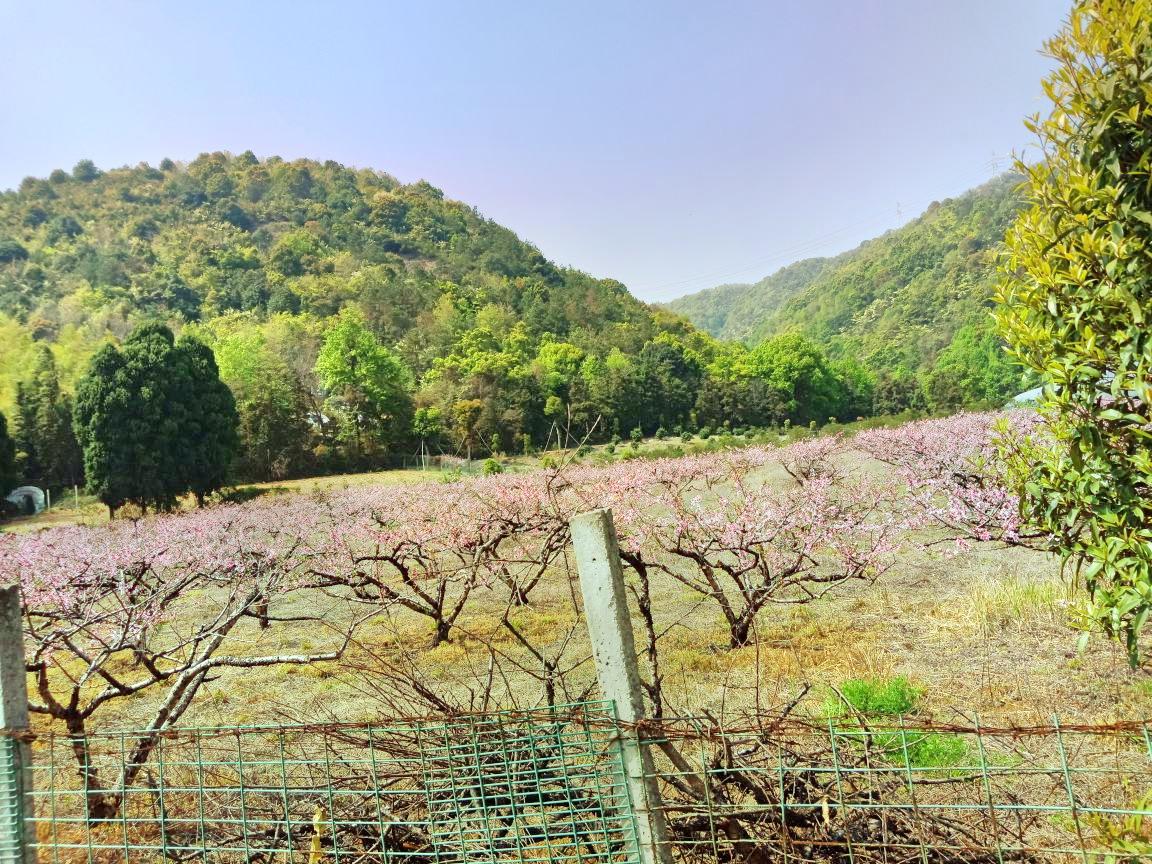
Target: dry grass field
x: 985, y: 632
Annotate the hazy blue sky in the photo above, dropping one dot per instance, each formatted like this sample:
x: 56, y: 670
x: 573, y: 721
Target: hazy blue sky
x: 670, y: 145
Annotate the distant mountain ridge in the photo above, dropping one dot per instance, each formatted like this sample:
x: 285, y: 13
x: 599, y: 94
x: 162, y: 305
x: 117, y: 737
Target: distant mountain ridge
x: 733, y: 310
x: 896, y: 301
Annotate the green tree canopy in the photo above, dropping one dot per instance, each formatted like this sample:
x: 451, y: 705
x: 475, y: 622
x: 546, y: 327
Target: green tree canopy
x: 49, y: 452
x: 8, y: 477
x: 209, y: 428
x: 795, y: 369
x: 975, y: 370
x: 368, y: 385
x: 154, y: 420
x: 1076, y: 307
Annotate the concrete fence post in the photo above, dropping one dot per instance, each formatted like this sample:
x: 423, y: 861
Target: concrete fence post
x: 17, y: 842
x: 614, y: 650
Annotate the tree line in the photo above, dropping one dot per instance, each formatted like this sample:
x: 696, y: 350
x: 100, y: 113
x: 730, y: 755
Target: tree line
x: 242, y: 398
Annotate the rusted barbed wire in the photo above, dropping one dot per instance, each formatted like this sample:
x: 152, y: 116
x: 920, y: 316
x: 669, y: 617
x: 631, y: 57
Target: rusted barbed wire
x: 669, y: 728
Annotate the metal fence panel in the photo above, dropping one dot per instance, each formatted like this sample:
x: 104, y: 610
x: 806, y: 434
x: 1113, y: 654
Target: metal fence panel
x: 519, y: 786
x: 13, y: 825
x: 885, y: 791
x: 546, y: 786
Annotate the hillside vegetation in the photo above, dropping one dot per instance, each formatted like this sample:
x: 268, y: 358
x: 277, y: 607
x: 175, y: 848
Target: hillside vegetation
x: 86, y: 253
x: 271, y: 263
x: 736, y: 311
x: 353, y: 317
x: 912, y: 305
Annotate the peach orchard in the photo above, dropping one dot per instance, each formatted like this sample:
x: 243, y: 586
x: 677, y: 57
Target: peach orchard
x: 161, y: 605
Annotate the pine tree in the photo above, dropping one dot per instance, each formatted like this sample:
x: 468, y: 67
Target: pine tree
x: 24, y: 434
x: 46, y: 445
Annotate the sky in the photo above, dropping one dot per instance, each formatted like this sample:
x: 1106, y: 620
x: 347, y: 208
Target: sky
x: 671, y: 145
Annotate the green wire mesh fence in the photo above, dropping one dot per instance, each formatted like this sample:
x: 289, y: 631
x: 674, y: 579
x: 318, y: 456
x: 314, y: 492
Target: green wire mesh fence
x: 526, y: 787
x: 549, y: 785
x: 886, y: 791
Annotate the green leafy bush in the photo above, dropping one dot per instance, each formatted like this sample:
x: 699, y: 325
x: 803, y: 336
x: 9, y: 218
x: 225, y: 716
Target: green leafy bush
x: 1075, y: 307
x: 886, y: 698
x: 877, y: 697
x: 1127, y: 838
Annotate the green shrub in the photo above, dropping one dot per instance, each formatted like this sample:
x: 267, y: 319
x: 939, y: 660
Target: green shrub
x: 636, y: 434
x: 1074, y: 308
x: 877, y: 697
x: 492, y: 466
x: 880, y: 698
x: 705, y: 433
x: 931, y: 750
x: 668, y: 451
x: 235, y: 495
x: 661, y: 434
x: 686, y: 436
x: 911, y: 748
x: 1127, y: 837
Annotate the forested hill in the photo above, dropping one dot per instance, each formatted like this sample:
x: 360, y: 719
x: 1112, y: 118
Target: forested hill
x: 352, y: 316
x: 733, y: 311
x: 896, y: 303
x: 85, y: 252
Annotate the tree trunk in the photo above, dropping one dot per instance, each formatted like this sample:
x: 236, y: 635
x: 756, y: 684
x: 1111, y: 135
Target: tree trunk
x: 99, y: 803
x: 741, y: 631
x: 440, y: 634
